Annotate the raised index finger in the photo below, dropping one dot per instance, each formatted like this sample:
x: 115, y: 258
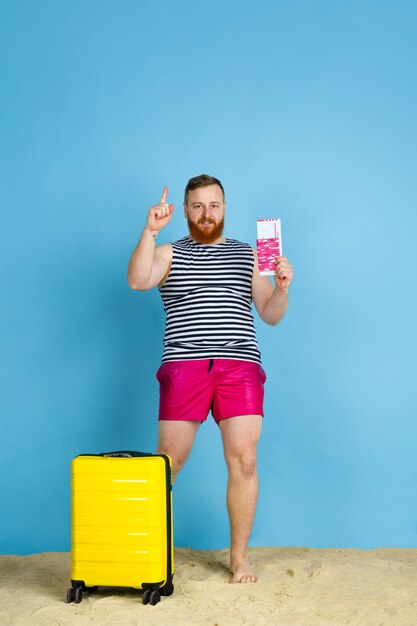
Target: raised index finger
x: 164, y: 195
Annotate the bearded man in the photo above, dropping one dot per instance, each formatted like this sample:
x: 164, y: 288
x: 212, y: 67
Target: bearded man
x: 211, y: 360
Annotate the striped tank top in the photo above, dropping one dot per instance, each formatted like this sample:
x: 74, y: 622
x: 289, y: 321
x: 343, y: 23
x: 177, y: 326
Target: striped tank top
x: 208, y: 302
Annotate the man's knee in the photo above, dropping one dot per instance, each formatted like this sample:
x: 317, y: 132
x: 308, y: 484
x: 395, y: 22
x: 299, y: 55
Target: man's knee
x: 178, y: 463
x: 242, y: 464
x: 176, y: 439
x: 177, y: 459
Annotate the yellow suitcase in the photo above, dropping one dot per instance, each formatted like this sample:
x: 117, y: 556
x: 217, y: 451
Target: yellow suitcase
x: 122, y: 527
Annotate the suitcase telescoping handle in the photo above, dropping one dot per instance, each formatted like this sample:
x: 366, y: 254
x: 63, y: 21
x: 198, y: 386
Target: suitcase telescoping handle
x: 125, y: 453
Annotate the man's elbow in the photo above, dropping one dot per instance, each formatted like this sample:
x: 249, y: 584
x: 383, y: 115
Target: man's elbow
x: 136, y: 285
x: 133, y: 285
x: 271, y: 319
x: 271, y: 322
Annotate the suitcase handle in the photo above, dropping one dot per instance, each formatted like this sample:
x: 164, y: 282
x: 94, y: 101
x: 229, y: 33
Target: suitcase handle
x: 125, y: 454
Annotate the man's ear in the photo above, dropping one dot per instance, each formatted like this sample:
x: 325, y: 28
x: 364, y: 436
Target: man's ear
x: 185, y: 210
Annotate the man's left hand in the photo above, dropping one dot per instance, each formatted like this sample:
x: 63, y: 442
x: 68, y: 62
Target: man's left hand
x: 283, y: 274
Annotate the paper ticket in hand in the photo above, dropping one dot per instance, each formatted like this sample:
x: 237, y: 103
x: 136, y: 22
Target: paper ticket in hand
x: 268, y: 244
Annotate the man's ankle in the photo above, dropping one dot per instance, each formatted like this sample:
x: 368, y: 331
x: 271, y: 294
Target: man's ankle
x: 237, y: 556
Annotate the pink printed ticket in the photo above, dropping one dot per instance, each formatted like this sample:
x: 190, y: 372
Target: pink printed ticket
x: 268, y: 244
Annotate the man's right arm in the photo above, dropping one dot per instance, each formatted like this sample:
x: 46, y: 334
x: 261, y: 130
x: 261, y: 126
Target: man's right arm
x: 149, y: 264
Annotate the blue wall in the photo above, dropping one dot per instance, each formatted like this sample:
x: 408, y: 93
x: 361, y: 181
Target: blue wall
x: 306, y: 111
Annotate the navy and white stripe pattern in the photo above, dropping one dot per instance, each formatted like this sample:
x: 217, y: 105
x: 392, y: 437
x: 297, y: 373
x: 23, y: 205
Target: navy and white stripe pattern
x: 208, y: 302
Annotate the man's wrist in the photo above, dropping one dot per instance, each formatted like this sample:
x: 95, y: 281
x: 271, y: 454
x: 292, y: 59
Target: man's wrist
x: 151, y: 233
x: 281, y: 293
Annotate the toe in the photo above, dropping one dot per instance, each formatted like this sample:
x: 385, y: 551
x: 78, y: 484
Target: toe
x: 246, y: 578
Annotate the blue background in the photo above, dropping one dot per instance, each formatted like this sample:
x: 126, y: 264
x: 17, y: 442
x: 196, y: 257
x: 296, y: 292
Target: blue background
x: 305, y: 110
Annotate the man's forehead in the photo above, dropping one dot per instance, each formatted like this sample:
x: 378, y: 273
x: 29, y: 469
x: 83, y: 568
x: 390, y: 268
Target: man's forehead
x: 211, y: 193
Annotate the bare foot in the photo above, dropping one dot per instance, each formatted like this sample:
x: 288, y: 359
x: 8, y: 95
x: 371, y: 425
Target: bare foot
x: 242, y: 572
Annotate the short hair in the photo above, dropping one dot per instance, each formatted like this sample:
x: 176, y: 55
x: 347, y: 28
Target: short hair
x: 203, y: 180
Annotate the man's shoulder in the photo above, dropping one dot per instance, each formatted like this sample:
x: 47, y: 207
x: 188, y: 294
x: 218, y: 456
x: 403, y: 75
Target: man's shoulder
x: 177, y: 244
x: 236, y: 243
x: 164, y: 251
x: 181, y: 243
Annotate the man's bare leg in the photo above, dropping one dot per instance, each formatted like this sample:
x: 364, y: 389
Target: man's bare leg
x: 240, y: 437
x: 176, y: 439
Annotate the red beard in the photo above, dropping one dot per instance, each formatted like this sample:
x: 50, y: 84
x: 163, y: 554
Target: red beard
x: 204, y: 235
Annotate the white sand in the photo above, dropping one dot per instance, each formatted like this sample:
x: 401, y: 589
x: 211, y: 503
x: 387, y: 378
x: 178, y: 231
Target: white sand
x: 296, y: 586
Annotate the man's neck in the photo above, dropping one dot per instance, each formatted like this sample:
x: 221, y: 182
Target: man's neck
x: 212, y: 243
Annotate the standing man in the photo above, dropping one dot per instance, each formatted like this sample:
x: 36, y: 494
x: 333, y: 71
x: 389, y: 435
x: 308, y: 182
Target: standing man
x: 211, y: 359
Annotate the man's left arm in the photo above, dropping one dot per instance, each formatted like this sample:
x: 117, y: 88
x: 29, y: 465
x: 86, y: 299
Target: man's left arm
x: 271, y: 301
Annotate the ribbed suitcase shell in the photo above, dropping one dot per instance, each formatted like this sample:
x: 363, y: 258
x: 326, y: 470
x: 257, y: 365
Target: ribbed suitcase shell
x: 121, y: 513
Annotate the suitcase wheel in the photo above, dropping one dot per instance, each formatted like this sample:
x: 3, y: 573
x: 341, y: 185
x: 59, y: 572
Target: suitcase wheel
x: 70, y: 595
x: 151, y: 596
x: 155, y: 597
x: 78, y: 595
x: 75, y: 594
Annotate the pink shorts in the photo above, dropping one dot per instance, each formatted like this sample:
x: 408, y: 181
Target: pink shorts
x: 188, y: 390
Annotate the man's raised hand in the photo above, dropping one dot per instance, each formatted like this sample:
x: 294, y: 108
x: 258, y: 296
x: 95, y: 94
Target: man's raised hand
x: 160, y: 214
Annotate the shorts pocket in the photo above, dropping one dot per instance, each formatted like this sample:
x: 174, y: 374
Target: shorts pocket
x: 166, y: 372
x: 159, y: 374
